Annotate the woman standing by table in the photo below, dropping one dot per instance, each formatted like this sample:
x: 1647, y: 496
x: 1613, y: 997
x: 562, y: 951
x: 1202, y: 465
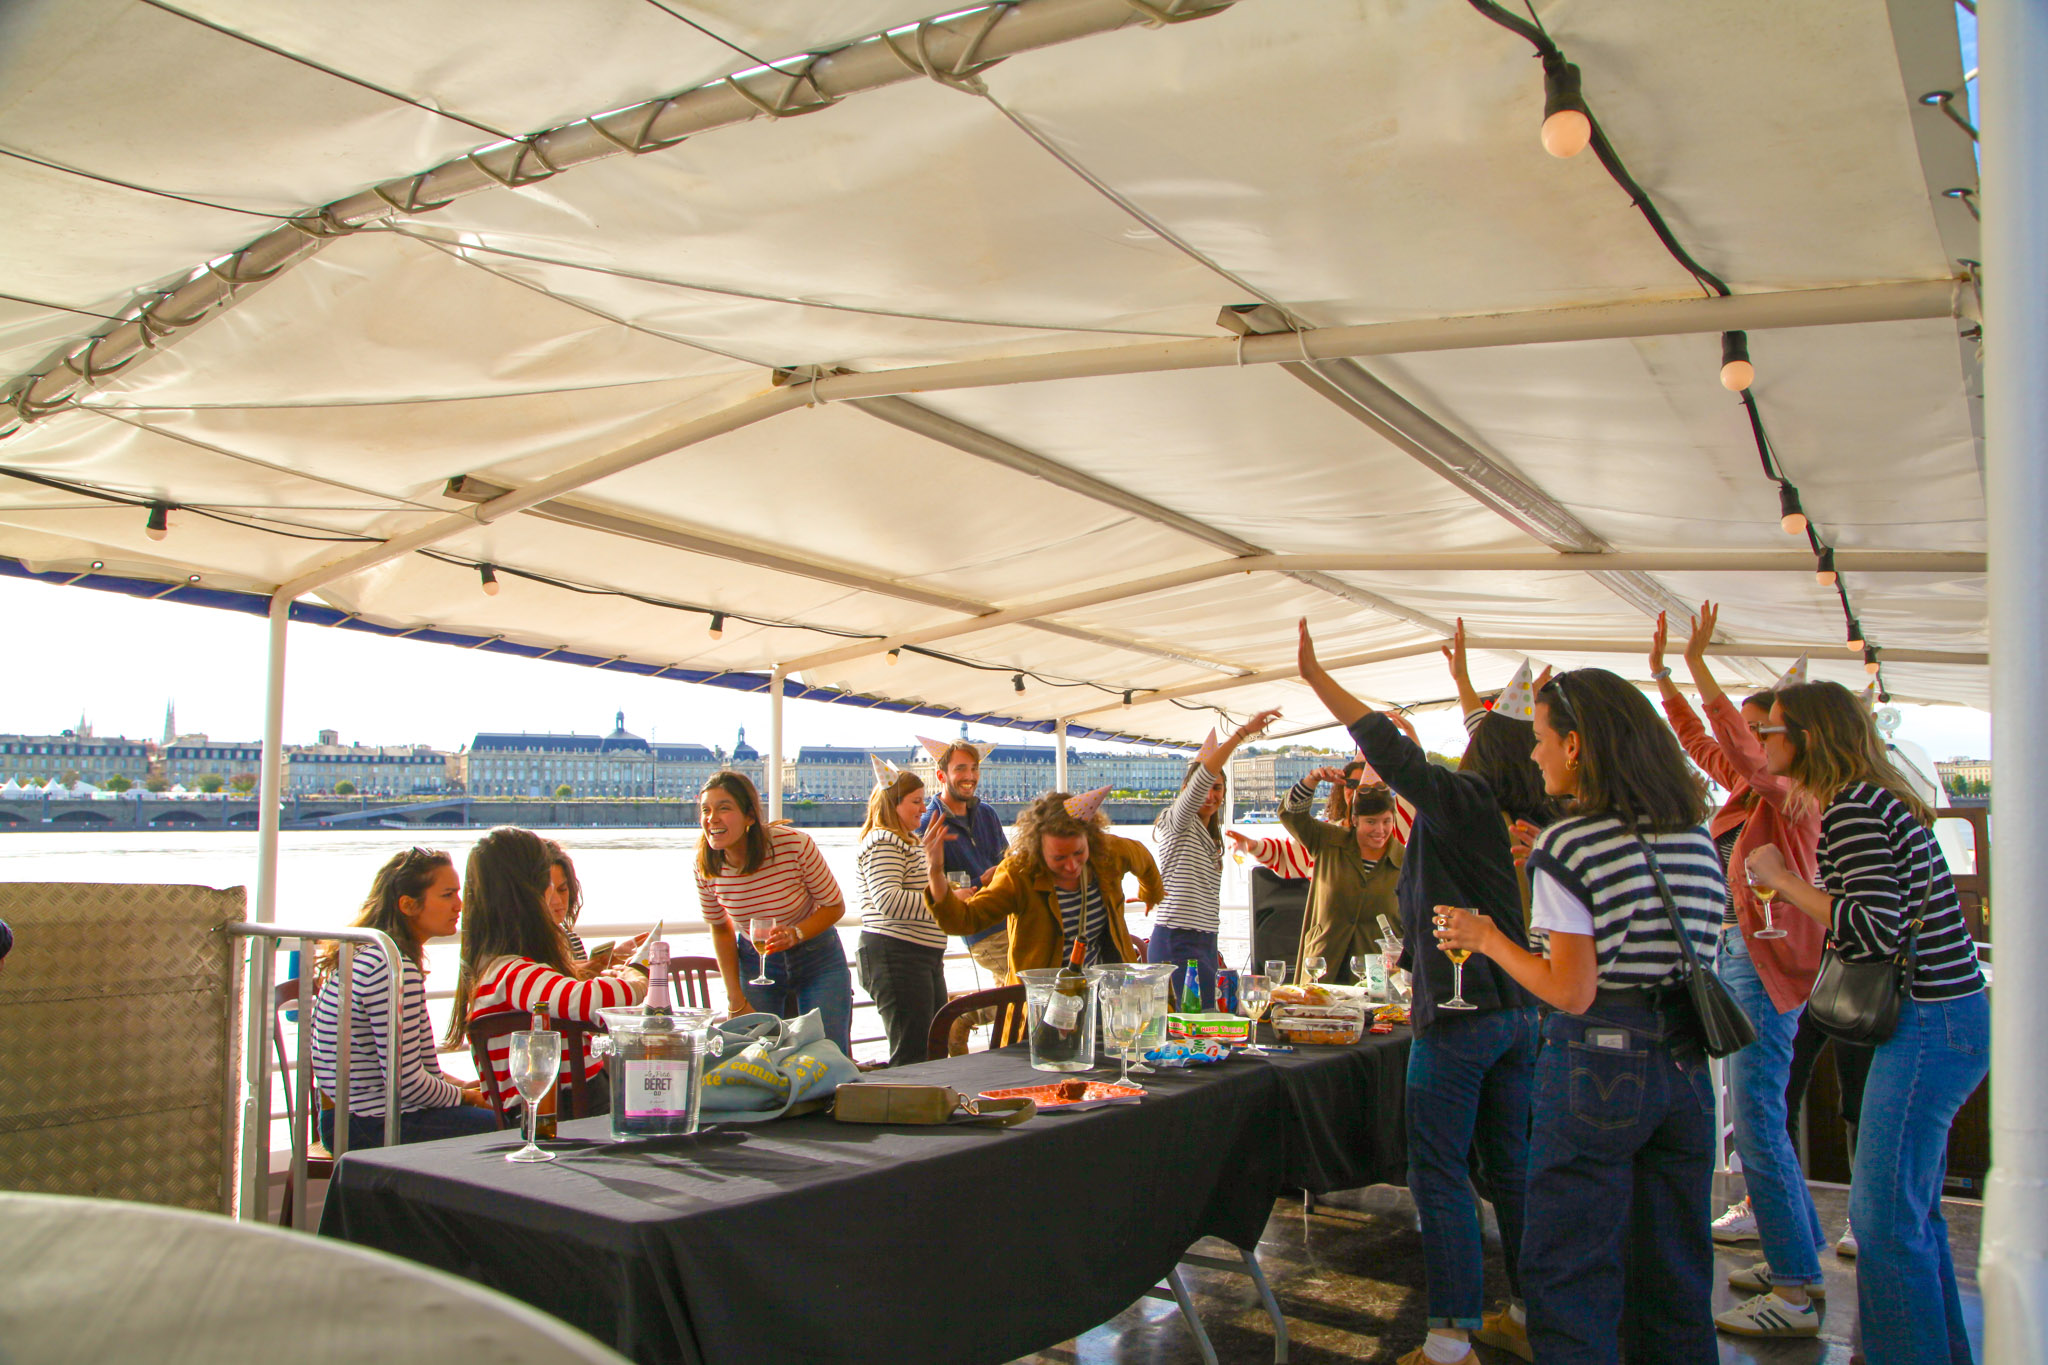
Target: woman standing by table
x: 1189, y: 835
x: 1883, y: 880
x: 773, y: 880
x: 1616, y: 1257
x: 902, y: 951
x: 1355, y: 866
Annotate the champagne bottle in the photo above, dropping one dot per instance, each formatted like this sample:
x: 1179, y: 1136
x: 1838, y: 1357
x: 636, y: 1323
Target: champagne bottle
x: 1191, y: 989
x: 1388, y: 931
x: 655, y: 1062
x: 1070, y: 993
x: 544, y: 1117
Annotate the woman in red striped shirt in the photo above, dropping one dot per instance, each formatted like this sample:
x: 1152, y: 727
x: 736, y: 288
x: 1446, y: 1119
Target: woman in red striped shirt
x: 772, y: 880
x: 516, y: 958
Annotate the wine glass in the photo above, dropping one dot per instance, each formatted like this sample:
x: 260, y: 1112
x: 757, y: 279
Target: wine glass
x: 1276, y: 971
x: 1126, y: 1009
x: 1361, y: 968
x: 1256, y: 992
x: 757, y: 931
x: 1313, y: 969
x: 1457, y: 957
x: 1765, y: 895
x: 535, y: 1061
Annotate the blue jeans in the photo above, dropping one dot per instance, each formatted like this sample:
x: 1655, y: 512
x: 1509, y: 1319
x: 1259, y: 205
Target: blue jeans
x: 811, y: 976
x: 1617, y: 1258
x: 1785, y: 1220
x: 1169, y: 944
x: 1469, y: 1079
x: 1905, y: 1280
x: 414, y: 1125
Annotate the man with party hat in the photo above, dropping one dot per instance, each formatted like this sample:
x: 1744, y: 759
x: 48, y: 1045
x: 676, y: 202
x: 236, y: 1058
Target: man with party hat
x: 1062, y: 879
x: 976, y: 843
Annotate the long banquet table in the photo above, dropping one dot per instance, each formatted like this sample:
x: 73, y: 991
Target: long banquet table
x: 807, y: 1241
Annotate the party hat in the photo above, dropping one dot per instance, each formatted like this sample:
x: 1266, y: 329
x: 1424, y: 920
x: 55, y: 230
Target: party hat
x: 939, y: 748
x: 1517, y: 701
x: 1085, y: 806
x: 885, y: 771
x: 1794, y: 676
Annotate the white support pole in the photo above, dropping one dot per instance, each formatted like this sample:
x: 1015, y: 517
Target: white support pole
x: 2013, y: 1265
x: 255, y: 1164
x: 1059, y: 754
x: 774, y: 771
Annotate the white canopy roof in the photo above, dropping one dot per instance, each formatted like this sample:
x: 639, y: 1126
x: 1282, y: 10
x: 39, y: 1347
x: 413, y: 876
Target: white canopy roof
x: 1061, y: 231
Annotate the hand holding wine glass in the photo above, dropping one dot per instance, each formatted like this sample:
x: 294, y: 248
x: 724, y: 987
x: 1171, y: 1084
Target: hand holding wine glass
x: 1459, y: 933
x: 760, y: 930
x: 1766, y: 869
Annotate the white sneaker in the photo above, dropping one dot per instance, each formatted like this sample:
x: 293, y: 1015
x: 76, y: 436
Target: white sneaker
x: 1845, y: 1247
x: 1767, y: 1315
x: 1736, y: 1225
x: 1757, y: 1280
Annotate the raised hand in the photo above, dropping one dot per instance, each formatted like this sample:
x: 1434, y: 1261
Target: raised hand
x: 1405, y: 726
x: 1335, y: 775
x: 1657, y: 639
x: 1454, y: 652
x: 1238, y: 841
x: 1702, y: 632
x: 1257, y: 724
x: 1305, y: 651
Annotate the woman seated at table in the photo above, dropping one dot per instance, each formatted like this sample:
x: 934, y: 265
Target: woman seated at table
x: 516, y: 958
x: 902, y: 950
x: 772, y: 879
x: 1062, y: 878
x: 416, y: 897
x: 564, y: 899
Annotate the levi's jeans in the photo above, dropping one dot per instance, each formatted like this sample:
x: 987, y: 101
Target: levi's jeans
x: 1906, y: 1296
x: 1617, y: 1259
x: 1469, y: 1076
x: 1785, y: 1219
x: 811, y: 976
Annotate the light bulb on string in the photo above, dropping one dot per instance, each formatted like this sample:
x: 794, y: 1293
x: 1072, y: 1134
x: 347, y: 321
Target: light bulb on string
x: 1567, y: 127
x: 98, y: 564
x: 1824, y: 567
x: 1737, y: 373
x: 1017, y: 681
x: 718, y: 625
x: 490, y: 579
x: 1791, y: 515
x: 1127, y: 698
x: 895, y: 655
x: 1870, y: 664
x: 1856, y: 640
x: 159, y: 524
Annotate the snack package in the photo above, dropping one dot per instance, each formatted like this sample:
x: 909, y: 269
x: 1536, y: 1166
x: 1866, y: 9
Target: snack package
x: 1331, y: 1025
x: 1188, y: 1052
x: 1301, y: 995
x: 1212, y: 1024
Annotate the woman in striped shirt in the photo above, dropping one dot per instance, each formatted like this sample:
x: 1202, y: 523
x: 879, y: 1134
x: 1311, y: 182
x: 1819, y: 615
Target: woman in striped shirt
x: 1189, y: 837
x: 1883, y: 879
x: 415, y: 897
x: 515, y: 957
x: 773, y: 880
x: 902, y: 951
x: 1616, y: 1258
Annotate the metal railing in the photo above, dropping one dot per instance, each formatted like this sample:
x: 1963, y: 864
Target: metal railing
x: 253, y: 1172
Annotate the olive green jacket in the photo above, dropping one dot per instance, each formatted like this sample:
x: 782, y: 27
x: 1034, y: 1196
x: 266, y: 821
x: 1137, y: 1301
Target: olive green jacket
x: 1345, y: 899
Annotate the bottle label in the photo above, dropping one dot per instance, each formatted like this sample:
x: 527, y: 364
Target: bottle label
x: 657, y: 1089
x: 1063, y: 1011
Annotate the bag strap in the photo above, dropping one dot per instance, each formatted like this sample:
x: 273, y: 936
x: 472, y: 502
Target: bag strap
x: 1692, y: 960
x: 995, y: 1113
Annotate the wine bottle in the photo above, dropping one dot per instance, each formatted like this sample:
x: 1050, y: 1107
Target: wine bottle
x: 544, y: 1117
x: 1388, y: 931
x: 1191, y: 989
x: 1070, y: 993
x: 656, y: 1061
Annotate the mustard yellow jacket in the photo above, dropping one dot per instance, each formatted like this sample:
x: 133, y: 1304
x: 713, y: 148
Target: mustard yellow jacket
x: 1030, y: 901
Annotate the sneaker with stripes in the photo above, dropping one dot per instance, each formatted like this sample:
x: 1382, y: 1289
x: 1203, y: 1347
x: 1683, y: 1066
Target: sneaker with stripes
x: 1767, y: 1315
x: 1757, y: 1280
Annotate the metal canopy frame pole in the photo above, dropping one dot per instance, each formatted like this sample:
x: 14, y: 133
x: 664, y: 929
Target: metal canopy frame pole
x: 776, y: 680
x: 2013, y: 1265
x: 1059, y: 755
x: 255, y: 1174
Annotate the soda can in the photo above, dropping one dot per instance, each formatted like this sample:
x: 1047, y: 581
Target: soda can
x: 1226, y: 990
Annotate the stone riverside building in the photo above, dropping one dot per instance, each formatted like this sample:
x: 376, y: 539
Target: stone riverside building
x: 620, y: 764
x: 47, y: 758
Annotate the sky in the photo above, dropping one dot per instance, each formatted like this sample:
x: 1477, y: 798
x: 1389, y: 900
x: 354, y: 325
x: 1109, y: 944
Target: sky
x: 117, y: 661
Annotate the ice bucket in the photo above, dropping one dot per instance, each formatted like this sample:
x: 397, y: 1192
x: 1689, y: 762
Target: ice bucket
x: 655, y: 1068
x: 1054, y: 1048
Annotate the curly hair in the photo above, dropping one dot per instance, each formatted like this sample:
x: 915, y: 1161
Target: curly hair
x: 1047, y: 818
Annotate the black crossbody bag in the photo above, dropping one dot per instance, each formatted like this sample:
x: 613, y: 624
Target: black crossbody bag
x: 1858, y: 1002
x: 1724, y: 1026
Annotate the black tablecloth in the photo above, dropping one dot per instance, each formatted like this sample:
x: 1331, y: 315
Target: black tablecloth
x: 808, y: 1240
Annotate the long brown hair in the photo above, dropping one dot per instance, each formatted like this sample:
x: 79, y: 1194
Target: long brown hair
x: 558, y: 857
x: 882, y: 803
x: 1498, y: 753
x: 404, y: 876
x: 1630, y: 765
x: 505, y: 914
x: 711, y: 861
x: 1835, y: 742
x: 1213, y: 821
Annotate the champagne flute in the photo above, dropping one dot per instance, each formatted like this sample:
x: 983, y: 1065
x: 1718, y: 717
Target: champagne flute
x: 534, y: 1062
x: 1256, y: 992
x: 1457, y: 957
x: 1313, y: 969
x: 1125, y: 1012
x: 1767, y: 894
x: 1276, y: 971
x: 759, y: 929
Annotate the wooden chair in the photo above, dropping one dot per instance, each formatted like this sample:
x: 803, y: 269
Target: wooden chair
x: 690, y: 981
x: 485, y: 1029
x: 303, y: 1127
x: 1008, y: 1003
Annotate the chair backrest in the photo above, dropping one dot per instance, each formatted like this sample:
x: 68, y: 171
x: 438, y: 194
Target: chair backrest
x: 487, y: 1028
x: 690, y: 979
x: 1008, y: 1002
x: 285, y: 997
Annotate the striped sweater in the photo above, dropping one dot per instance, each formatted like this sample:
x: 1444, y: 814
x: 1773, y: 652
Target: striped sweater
x: 1190, y: 859
x: 1596, y: 860
x: 790, y: 884
x: 420, y: 1082
x: 1878, y: 862
x: 892, y: 885
x: 523, y: 985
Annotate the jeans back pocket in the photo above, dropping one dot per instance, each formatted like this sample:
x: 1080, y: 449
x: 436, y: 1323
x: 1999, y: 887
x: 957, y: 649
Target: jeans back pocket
x: 1606, y: 1085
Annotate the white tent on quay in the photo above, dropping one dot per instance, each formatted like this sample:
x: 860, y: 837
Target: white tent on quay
x: 1040, y: 363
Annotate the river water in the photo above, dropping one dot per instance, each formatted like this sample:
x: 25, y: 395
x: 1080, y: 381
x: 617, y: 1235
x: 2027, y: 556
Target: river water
x: 631, y: 878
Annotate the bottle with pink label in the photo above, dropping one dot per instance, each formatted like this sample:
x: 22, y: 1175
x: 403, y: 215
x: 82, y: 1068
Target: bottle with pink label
x: 656, y: 1059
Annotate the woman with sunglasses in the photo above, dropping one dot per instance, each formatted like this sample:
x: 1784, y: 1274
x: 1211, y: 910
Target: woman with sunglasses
x: 1769, y: 971
x: 1616, y: 1256
x: 1885, y: 888
x: 1469, y: 1069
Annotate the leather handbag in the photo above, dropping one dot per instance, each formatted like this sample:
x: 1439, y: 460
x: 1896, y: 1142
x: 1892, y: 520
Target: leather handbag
x: 1724, y: 1026
x: 1858, y: 1002
x: 889, y: 1102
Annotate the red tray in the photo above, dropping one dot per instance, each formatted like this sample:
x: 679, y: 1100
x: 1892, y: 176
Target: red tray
x: 1098, y: 1092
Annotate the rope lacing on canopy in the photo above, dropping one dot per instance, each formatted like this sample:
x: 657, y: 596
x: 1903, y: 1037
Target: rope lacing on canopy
x: 963, y: 73
x: 785, y: 104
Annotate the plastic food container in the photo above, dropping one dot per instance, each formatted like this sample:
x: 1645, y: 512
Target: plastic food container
x: 1327, y: 1025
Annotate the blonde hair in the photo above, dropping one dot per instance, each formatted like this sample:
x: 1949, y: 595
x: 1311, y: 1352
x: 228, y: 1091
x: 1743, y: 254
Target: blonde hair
x: 1835, y: 742
x: 882, y: 803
